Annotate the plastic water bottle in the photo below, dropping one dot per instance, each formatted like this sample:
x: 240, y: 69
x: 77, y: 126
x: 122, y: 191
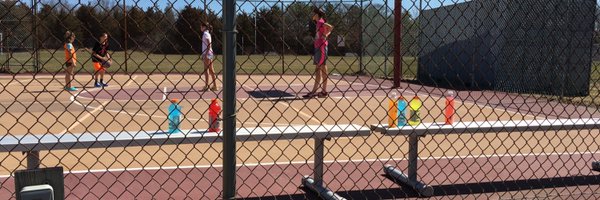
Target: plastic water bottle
x: 174, y: 116
x: 402, y: 109
x: 415, y: 105
x: 393, y: 110
x: 449, y: 111
x: 214, y: 121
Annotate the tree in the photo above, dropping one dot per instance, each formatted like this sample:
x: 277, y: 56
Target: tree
x: 298, y: 21
x: 376, y: 31
x: 68, y: 22
x: 188, y: 29
x: 16, y: 24
x: 90, y: 24
x: 216, y: 22
x: 353, y: 22
x: 410, y: 31
x: 269, y: 31
x: 154, y: 28
x: 136, y: 30
x: 49, y: 28
x: 167, y: 42
x: 335, y: 16
x: 245, y: 28
x: 117, y: 39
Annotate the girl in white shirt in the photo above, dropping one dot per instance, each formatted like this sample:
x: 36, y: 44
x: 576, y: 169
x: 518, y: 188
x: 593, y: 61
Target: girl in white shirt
x: 207, y: 57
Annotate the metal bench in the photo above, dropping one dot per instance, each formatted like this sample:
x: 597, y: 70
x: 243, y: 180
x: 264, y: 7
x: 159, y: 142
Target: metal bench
x: 32, y: 144
x: 421, y: 130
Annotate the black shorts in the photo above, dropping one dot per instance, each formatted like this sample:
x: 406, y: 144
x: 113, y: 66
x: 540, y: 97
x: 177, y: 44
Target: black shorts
x: 320, y: 56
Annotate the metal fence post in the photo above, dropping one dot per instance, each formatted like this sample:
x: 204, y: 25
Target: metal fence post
x: 318, y: 171
x: 397, y: 43
x: 229, y: 52
x: 33, y: 159
x: 413, y: 156
x: 126, y: 34
x: 411, y: 178
x: 316, y: 184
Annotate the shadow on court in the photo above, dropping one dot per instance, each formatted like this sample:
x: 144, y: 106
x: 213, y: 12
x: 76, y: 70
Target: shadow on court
x: 271, y: 93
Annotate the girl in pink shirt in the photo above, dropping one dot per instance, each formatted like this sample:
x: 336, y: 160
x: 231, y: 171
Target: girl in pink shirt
x: 320, y: 56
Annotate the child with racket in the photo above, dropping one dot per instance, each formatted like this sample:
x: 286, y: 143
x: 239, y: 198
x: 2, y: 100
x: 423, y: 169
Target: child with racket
x: 101, y: 59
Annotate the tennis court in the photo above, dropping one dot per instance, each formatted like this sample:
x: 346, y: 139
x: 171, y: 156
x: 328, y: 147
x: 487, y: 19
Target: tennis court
x: 525, y: 74
x: 138, y: 102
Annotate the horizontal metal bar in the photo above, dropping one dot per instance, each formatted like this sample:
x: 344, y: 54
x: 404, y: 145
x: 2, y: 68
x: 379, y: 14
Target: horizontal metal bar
x: 398, y: 176
x: 31, y: 142
x: 490, y: 126
x: 320, y: 189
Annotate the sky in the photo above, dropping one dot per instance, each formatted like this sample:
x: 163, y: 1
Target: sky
x: 248, y: 6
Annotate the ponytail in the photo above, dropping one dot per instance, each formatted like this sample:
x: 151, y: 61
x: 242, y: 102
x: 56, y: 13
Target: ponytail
x: 208, y: 26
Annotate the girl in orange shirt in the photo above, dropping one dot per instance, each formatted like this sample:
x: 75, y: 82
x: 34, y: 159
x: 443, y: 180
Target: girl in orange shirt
x: 70, y: 60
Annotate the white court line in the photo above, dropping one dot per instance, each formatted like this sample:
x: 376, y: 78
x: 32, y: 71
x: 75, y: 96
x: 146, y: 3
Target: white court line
x: 325, y: 161
x: 165, y: 91
x: 302, y: 113
x: 245, y: 86
x: 290, y: 85
x: 18, y: 81
x: 62, y: 102
x: 89, y: 114
x: 297, y: 110
x: 164, y: 96
x: 116, y: 111
x: 281, y: 98
x: 277, y: 98
x: 36, y: 76
x: 155, y: 116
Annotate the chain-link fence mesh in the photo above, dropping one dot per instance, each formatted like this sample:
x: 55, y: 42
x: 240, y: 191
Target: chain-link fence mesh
x: 515, y: 67
x: 18, y: 50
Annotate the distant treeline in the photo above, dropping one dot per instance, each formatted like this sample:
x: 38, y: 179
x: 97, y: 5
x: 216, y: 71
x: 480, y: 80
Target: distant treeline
x: 366, y: 29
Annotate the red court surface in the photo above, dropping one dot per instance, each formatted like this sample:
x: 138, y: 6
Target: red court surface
x: 352, y: 179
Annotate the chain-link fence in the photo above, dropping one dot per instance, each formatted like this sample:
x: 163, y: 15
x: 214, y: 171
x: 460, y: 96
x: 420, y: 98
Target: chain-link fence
x: 18, y: 50
x: 499, y: 99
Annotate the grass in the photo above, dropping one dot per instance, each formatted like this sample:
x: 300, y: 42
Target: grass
x: 143, y: 62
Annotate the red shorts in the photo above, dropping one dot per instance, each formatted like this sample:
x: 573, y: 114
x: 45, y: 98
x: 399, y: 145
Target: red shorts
x: 98, y: 67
